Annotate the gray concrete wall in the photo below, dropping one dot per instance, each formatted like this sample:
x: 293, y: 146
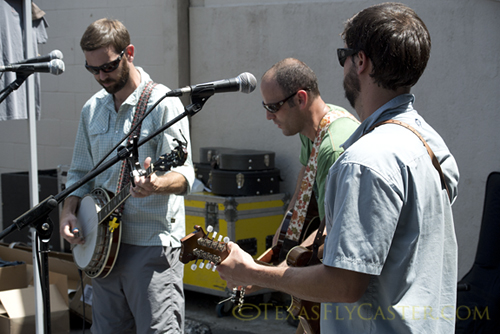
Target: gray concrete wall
x: 159, y: 31
x: 457, y: 94
x: 222, y: 38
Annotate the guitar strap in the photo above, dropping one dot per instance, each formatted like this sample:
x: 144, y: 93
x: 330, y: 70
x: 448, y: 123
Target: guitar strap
x: 435, y: 161
x: 124, y: 176
x: 318, y: 242
x: 304, y: 196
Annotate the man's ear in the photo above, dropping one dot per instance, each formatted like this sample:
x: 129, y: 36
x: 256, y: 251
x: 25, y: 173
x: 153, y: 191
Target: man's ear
x: 130, y: 52
x: 302, y: 97
x: 362, y: 62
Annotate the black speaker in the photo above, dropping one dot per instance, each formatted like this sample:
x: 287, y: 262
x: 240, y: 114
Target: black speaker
x: 478, y: 297
x: 16, y: 201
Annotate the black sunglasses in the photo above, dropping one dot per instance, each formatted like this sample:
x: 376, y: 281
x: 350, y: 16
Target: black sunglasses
x: 343, y: 53
x: 106, y: 68
x: 274, y: 107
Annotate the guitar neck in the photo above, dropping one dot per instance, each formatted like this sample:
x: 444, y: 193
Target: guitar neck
x: 118, y: 199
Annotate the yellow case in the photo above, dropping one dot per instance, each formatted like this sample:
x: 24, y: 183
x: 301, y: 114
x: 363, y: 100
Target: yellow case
x: 250, y: 221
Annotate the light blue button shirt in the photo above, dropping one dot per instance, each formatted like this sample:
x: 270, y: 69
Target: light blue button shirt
x: 387, y: 216
x: 155, y: 220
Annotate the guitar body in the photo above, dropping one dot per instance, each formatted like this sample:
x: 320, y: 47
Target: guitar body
x: 297, y: 256
x: 307, y: 312
x: 97, y: 256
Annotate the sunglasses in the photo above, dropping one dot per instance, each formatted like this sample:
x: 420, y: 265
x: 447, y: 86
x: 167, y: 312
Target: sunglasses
x: 343, y: 53
x: 274, y: 107
x: 106, y: 68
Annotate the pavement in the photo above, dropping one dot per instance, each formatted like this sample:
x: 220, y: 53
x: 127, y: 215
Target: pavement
x: 262, y: 313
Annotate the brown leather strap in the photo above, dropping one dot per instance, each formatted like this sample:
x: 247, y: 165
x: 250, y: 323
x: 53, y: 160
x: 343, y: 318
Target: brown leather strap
x: 124, y: 176
x: 319, y: 242
x: 435, y: 161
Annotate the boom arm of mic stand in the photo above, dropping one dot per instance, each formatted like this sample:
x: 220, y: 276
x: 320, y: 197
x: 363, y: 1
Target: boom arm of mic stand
x: 20, y: 78
x: 38, y: 214
x: 190, y: 110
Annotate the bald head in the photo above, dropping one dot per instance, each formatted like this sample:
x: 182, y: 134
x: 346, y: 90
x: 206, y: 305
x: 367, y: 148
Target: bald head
x: 291, y: 75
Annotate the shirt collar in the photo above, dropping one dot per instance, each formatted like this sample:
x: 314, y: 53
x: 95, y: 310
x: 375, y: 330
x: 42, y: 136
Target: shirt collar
x: 133, y: 98
x: 397, y: 105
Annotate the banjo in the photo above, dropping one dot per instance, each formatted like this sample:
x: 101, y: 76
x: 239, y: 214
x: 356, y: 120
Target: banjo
x: 99, y: 224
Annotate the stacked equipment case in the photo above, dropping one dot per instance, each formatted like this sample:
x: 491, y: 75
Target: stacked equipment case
x: 238, y: 172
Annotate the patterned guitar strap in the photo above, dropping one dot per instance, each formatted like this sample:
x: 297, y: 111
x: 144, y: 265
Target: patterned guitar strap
x: 304, y: 196
x: 124, y: 176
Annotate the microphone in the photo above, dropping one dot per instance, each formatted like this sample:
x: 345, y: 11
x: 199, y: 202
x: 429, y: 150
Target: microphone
x: 56, y: 54
x: 55, y: 66
x: 245, y: 83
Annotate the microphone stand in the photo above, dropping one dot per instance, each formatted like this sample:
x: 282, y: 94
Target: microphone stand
x: 38, y: 216
x: 20, y: 78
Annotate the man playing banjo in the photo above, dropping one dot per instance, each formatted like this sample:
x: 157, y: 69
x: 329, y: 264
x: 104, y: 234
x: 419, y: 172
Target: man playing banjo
x: 143, y: 289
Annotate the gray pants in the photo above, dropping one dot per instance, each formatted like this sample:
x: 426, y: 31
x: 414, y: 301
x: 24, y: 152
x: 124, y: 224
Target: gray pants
x: 142, y: 294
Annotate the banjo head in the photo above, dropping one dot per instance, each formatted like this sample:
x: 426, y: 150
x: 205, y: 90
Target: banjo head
x: 88, y: 224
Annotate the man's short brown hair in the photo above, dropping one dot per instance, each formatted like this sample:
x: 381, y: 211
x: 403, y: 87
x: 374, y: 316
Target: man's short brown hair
x: 103, y: 33
x: 395, y: 39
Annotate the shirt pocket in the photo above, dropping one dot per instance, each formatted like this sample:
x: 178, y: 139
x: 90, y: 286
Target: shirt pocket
x: 98, y: 134
x: 99, y: 125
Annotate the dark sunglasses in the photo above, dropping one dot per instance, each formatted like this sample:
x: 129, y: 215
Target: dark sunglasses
x: 274, y: 107
x: 106, y: 68
x: 343, y: 53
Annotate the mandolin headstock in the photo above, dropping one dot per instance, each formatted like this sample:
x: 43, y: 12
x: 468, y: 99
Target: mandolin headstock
x: 199, y: 246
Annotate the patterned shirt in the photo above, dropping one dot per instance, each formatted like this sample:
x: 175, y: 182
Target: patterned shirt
x: 157, y: 219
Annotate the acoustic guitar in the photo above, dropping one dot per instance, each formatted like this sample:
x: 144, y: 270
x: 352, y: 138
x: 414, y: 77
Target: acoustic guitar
x: 306, y: 311
x: 278, y: 252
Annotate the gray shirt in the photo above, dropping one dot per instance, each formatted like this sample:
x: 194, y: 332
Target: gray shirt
x: 12, y: 50
x: 388, y: 216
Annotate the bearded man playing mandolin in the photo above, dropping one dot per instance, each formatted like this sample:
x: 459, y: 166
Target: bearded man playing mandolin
x: 390, y: 255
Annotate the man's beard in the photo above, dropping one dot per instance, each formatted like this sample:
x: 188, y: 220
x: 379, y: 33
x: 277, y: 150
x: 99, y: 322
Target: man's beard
x: 120, y: 82
x: 352, y: 87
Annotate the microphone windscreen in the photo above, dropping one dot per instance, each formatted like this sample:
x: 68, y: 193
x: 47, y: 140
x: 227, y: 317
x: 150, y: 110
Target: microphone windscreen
x: 56, y: 54
x: 56, y: 66
x: 248, y: 83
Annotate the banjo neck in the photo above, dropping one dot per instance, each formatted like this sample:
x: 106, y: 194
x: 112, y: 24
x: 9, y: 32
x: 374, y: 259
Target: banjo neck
x: 118, y: 199
x: 102, y: 241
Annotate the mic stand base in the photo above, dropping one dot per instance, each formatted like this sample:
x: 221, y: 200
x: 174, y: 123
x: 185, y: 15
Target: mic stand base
x: 40, y: 237
x: 41, y: 279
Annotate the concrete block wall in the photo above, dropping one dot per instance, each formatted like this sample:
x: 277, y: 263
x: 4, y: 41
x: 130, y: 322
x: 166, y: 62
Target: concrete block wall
x: 158, y: 31
x: 458, y: 93
x: 181, y: 42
